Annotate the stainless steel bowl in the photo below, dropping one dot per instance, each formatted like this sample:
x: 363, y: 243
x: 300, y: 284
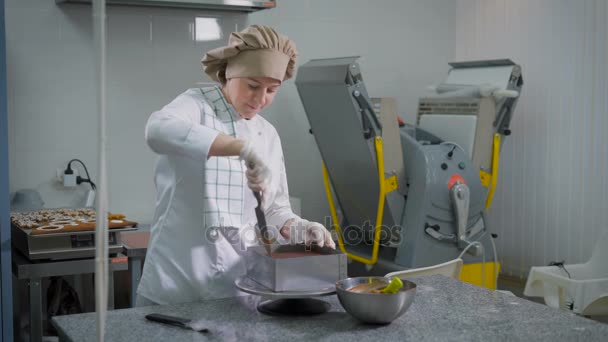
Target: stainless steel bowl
x: 376, y: 308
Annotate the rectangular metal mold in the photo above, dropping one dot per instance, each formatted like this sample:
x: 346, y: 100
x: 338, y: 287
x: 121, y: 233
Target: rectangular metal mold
x: 316, y: 269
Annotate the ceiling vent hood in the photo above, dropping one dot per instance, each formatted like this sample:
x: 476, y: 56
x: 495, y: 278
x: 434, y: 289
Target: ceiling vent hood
x: 223, y: 5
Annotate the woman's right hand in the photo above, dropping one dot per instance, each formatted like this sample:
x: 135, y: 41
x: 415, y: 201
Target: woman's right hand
x: 258, y: 174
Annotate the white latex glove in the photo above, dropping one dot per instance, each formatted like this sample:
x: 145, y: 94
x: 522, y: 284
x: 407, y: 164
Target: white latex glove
x: 307, y: 232
x: 258, y: 174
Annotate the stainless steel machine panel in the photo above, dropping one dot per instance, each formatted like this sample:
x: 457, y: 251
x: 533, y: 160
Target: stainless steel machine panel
x: 344, y: 133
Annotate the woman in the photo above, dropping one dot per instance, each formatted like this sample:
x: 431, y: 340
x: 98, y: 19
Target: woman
x: 215, y: 150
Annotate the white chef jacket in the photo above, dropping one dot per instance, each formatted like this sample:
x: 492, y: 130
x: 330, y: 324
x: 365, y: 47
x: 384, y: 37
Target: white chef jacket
x: 184, y: 263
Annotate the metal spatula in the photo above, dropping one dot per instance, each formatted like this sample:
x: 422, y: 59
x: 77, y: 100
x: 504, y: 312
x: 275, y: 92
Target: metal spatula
x: 262, y: 232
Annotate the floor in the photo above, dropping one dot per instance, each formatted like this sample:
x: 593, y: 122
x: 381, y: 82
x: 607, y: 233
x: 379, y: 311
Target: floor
x: 516, y: 286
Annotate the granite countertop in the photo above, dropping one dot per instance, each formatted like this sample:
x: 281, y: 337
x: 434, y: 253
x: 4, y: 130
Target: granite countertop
x: 444, y: 309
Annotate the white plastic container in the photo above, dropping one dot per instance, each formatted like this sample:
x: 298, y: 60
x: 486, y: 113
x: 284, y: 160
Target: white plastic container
x: 584, y: 292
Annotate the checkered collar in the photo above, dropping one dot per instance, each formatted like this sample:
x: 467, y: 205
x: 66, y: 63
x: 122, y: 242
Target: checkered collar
x: 221, y: 105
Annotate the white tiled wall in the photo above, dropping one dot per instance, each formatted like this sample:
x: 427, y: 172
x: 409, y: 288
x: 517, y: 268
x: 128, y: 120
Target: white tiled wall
x: 152, y: 57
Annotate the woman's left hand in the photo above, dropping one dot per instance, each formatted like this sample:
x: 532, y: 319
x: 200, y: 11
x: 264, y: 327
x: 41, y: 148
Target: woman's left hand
x: 307, y: 232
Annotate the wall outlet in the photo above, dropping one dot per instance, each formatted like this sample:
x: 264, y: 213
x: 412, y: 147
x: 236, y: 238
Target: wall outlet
x: 66, y: 180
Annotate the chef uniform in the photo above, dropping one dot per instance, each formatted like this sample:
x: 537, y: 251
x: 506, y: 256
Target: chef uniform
x: 204, y: 214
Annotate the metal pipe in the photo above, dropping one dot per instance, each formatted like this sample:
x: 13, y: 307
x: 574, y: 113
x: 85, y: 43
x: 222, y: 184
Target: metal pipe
x: 101, y: 228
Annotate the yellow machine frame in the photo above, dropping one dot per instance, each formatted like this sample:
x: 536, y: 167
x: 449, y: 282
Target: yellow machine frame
x: 386, y: 185
x: 489, y: 180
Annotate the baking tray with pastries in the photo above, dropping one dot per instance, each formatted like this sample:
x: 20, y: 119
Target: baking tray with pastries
x: 65, y: 220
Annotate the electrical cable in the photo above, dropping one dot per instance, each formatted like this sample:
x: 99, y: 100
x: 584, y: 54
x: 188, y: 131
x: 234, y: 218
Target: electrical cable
x: 569, y: 304
x: 492, y: 237
x: 560, y: 264
x: 483, y: 256
x: 483, y: 259
x: 495, y: 259
x: 88, y: 180
x: 471, y: 244
x: 483, y: 265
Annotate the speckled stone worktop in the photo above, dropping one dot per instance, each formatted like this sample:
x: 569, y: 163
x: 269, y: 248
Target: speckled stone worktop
x: 444, y: 310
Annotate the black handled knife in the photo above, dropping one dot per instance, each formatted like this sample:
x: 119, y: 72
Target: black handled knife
x: 177, y: 321
x: 262, y: 227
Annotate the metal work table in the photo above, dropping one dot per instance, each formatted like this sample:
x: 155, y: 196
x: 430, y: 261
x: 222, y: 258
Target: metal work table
x: 444, y: 309
x: 135, y: 246
x: 30, y: 274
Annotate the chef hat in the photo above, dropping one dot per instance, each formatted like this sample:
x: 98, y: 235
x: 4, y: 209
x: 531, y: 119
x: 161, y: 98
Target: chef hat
x: 257, y: 51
